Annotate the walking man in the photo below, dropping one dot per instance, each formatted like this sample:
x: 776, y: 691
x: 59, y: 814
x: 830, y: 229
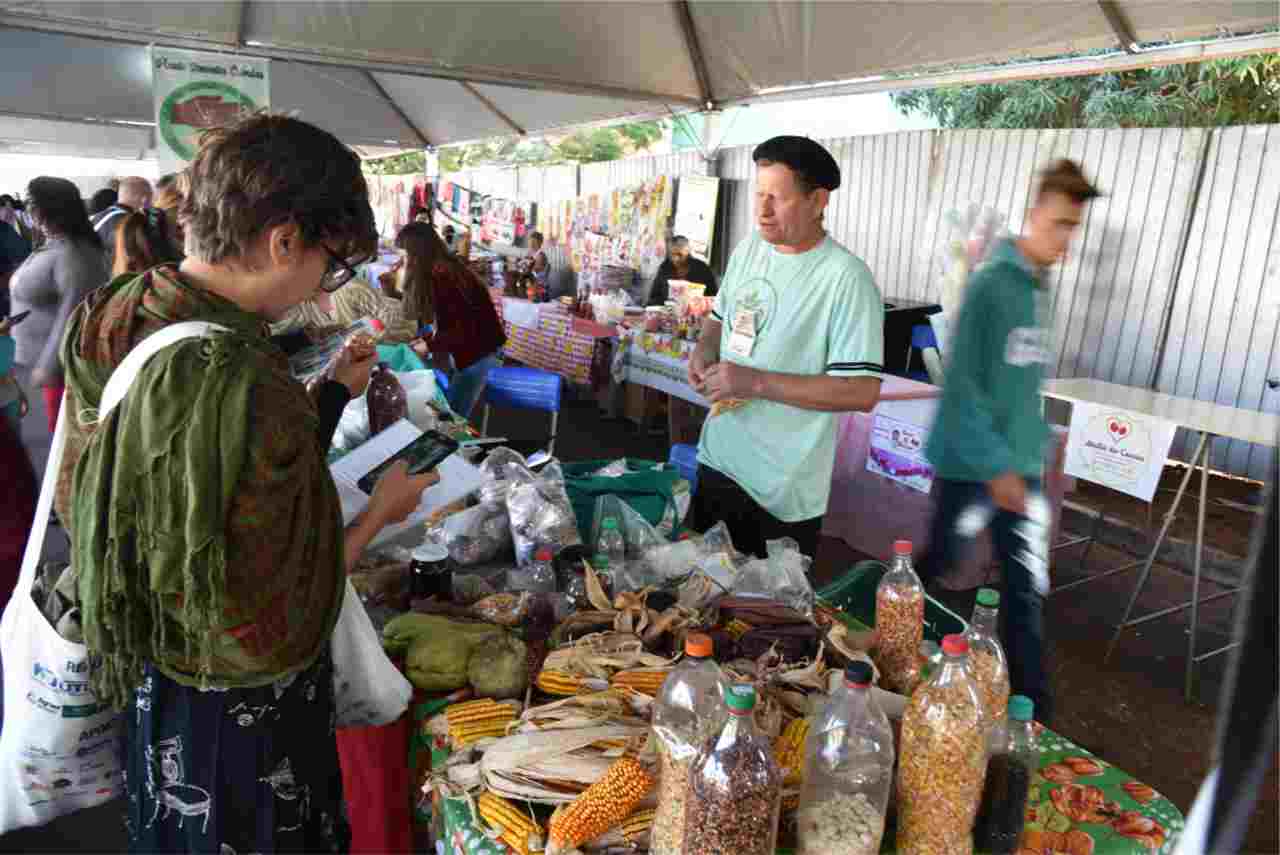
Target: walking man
x: 987, y: 444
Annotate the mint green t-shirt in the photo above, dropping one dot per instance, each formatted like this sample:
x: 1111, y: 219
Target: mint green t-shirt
x: 818, y: 312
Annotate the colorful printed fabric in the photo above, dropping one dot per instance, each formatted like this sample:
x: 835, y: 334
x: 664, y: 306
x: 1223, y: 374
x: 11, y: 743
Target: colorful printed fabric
x: 206, y: 529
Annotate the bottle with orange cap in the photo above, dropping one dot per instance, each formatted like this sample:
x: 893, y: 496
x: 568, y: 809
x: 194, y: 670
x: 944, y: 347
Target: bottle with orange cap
x: 687, y: 712
x: 900, y: 622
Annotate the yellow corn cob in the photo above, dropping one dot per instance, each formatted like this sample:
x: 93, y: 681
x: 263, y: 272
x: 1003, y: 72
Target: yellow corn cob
x: 648, y: 681
x: 609, y: 744
x: 559, y: 683
x: 637, y: 824
x: 788, y: 750
x: 482, y: 710
x: 516, y: 826
x: 476, y: 720
x: 737, y: 629
x: 605, y: 803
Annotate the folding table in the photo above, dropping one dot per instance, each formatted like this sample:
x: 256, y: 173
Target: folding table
x: 1207, y: 419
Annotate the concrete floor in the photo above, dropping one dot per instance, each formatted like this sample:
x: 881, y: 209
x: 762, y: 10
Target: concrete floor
x: 1129, y: 711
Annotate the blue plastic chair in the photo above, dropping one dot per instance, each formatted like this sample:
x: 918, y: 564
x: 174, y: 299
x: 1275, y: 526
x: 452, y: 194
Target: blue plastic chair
x: 685, y: 459
x: 922, y: 339
x: 525, y: 389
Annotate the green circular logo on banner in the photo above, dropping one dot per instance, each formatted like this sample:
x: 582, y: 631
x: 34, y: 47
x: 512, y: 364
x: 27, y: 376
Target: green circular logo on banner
x: 194, y: 107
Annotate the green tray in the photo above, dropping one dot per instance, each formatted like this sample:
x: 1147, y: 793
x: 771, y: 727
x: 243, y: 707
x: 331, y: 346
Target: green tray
x: 855, y: 592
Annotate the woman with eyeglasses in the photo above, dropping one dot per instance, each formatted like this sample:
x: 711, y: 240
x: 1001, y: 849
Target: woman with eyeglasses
x: 206, y: 530
x: 442, y: 291
x: 50, y: 283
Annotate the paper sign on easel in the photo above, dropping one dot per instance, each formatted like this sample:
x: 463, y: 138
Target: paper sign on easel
x: 1118, y: 449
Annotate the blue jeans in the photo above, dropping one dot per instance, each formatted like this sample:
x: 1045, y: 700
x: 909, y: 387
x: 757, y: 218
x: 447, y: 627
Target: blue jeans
x: 467, y: 385
x: 964, y: 509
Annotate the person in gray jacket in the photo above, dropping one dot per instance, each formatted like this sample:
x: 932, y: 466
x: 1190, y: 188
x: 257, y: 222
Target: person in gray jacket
x: 50, y: 283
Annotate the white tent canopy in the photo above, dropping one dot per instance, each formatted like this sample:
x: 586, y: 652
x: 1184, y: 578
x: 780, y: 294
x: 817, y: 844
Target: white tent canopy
x: 402, y: 74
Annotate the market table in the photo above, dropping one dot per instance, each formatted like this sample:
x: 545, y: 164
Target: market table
x: 548, y: 336
x: 1207, y: 419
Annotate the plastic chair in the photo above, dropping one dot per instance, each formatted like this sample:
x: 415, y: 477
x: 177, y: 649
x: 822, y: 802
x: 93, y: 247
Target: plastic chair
x: 924, y: 340
x: 525, y: 389
x: 685, y: 459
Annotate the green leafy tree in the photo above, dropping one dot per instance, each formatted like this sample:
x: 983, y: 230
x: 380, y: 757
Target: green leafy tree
x: 1238, y: 91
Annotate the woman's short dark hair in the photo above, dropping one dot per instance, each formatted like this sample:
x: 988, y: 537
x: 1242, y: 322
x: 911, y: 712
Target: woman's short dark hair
x: 103, y: 199
x: 58, y: 208
x: 267, y: 170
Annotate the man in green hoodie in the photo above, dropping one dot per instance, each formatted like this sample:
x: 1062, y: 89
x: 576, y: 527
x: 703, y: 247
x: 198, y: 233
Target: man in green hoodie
x: 987, y: 443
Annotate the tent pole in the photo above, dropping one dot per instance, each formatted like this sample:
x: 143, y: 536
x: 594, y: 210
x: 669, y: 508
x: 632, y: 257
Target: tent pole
x: 391, y: 102
x: 696, y: 58
x: 242, y: 17
x: 492, y: 107
x: 1120, y: 26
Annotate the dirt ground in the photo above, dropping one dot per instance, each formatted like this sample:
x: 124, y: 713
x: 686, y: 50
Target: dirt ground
x: 1229, y: 518
x: 1128, y: 711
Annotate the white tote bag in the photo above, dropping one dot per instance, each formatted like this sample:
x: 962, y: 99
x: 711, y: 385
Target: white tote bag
x: 58, y: 747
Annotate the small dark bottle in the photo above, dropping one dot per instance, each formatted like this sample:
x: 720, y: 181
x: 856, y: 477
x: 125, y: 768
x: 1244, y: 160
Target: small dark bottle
x: 1011, y: 760
x: 431, y: 573
x: 386, y: 399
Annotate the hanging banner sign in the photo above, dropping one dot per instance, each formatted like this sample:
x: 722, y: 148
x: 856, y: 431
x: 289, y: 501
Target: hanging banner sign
x: 1118, y: 449
x: 696, y: 214
x: 194, y: 91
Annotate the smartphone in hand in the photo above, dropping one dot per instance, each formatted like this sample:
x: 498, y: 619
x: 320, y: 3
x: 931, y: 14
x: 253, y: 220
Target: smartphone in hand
x: 423, y: 454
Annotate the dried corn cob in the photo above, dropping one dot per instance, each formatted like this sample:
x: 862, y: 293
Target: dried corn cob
x: 788, y: 750
x: 605, y: 804
x: 646, y: 680
x: 737, y: 628
x: 559, y: 683
x: 475, y: 720
x: 637, y: 824
x: 517, y: 827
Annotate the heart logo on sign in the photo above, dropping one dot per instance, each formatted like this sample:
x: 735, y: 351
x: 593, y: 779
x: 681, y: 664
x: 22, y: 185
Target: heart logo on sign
x: 1118, y: 428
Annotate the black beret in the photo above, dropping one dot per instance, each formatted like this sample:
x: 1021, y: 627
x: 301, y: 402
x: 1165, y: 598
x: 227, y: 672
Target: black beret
x: 813, y: 163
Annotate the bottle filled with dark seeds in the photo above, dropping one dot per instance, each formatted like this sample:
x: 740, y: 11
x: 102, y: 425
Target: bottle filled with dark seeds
x: 1010, y: 763
x: 735, y: 787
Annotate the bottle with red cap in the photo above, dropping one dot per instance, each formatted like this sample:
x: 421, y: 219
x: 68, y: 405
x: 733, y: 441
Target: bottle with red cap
x: 688, y: 710
x: 848, y: 772
x: 943, y: 759
x: 900, y: 622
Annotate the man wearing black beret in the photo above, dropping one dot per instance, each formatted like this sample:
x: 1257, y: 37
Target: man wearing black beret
x: 796, y: 336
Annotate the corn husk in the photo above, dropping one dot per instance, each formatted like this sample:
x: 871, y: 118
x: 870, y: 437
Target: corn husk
x: 592, y: 710
x: 553, y: 766
x: 602, y: 654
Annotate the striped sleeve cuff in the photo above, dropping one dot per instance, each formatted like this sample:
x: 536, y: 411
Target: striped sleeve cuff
x: 855, y: 368
x: 716, y: 315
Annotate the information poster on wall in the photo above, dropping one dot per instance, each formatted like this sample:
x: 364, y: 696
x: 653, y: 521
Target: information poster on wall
x: 896, y: 452
x: 1118, y: 449
x: 696, y: 213
x: 194, y: 91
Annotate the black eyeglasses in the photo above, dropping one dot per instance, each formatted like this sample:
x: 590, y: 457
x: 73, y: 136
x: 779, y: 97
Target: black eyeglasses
x: 340, y: 270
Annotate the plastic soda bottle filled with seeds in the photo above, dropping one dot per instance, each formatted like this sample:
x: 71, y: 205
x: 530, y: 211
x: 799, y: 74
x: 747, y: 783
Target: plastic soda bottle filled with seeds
x: 987, y: 661
x: 943, y: 759
x: 1012, y: 759
x: 687, y: 712
x: 848, y: 772
x: 735, y: 787
x: 900, y: 622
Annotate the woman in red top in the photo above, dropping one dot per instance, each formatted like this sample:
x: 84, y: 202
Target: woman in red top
x: 442, y: 291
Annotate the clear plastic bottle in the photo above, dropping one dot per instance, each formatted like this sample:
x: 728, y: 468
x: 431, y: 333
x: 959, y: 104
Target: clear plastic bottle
x: 575, y: 590
x: 385, y: 398
x: 1012, y: 758
x: 612, y: 546
x: 687, y: 712
x: 987, y: 661
x: 943, y: 759
x: 930, y: 659
x: 848, y: 772
x: 900, y: 622
x: 735, y: 787
x: 539, y: 577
